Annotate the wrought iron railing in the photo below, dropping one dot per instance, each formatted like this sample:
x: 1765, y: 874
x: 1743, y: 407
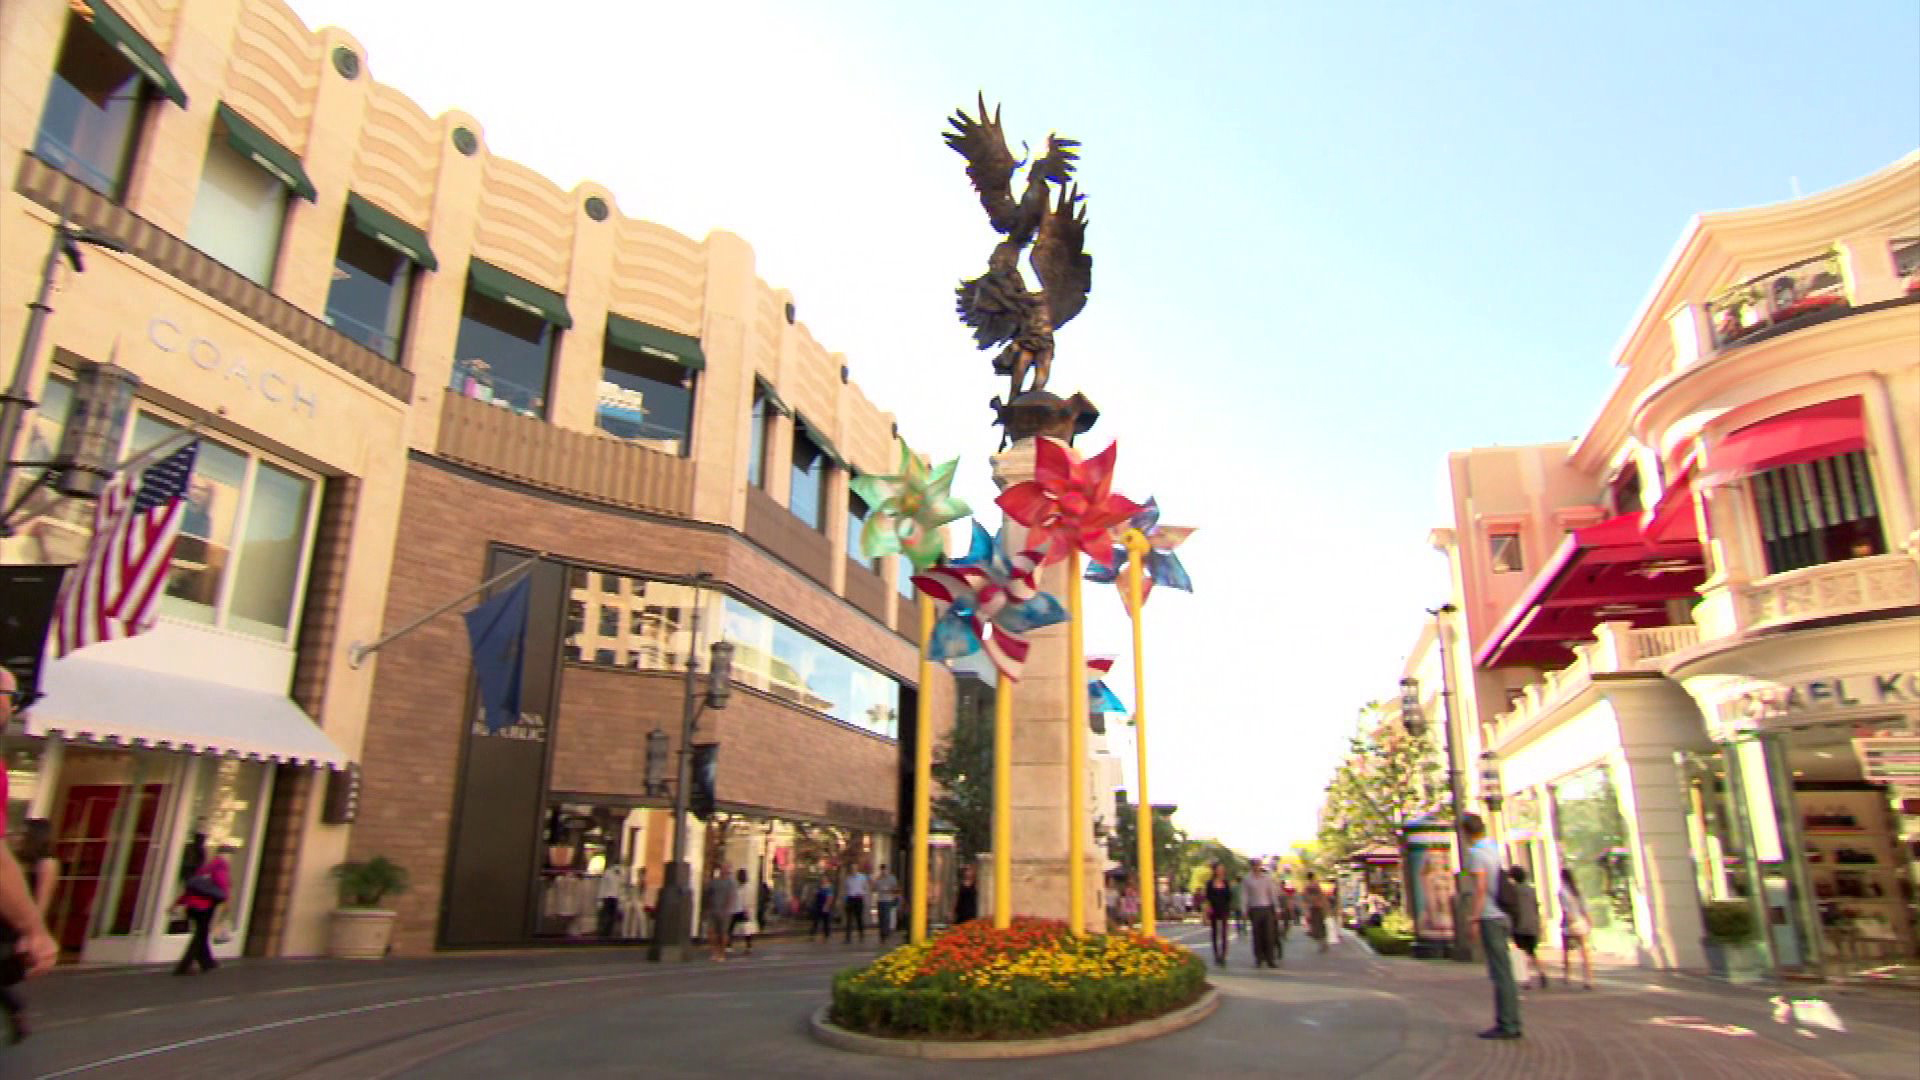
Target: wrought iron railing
x: 1792, y: 293
x: 1906, y: 261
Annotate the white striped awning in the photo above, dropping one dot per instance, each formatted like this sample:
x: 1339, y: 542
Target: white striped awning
x: 95, y: 701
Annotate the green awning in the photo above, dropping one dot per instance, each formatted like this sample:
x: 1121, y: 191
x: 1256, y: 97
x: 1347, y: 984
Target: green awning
x: 489, y: 280
x: 138, y: 50
x: 645, y: 338
x: 391, y: 231
x: 281, y: 162
x: 820, y: 440
x: 773, y: 399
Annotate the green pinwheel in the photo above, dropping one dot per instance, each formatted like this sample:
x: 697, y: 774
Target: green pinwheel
x: 906, y: 510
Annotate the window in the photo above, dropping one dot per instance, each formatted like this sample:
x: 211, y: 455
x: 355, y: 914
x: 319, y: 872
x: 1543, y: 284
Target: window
x: 609, y: 621
x: 856, y: 521
x: 503, y: 355
x: 1820, y: 512
x: 1624, y: 493
x: 93, y: 112
x: 1504, y: 548
x: 906, y: 572
x: 372, y: 288
x: 645, y: 399
x: 239, y: 211
x: 807, y: 498
x: 757, y: 424
x: 604, y: 657
x: 246, y: 536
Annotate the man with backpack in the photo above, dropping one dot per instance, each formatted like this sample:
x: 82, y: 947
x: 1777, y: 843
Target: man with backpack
x: 1491, y: 887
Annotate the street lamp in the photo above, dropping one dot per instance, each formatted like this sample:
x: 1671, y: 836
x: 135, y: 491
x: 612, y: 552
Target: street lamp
x: 1490, y: 781
x: 1412, y: 716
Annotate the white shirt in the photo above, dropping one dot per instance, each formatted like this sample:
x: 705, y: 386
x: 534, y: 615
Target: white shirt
x: 855, y: 886
x: 1260, y: 890
x: 1484, y: 858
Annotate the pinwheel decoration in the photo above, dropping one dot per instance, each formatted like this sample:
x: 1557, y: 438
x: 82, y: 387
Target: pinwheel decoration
x: 990, y: 602
x: 1100, y: 696
x: 907, y: 509
x: 1161, y: 566
x: 1070, y: 503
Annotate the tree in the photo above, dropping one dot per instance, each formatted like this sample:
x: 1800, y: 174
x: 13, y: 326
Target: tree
x: 1389, y: 775
x: 963, y: 770
x: 1169, y: 844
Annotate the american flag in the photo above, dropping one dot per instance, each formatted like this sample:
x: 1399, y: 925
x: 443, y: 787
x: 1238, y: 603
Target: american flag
x: 115, y: 591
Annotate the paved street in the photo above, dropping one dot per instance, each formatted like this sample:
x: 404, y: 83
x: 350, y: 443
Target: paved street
x: 609, y: 1013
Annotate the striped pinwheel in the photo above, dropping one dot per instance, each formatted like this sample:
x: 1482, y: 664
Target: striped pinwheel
x: 989, y: 601
x: 1100, y: 696
x: 907, y: 509
x: 1161, y: 566
x: 1070, y: 503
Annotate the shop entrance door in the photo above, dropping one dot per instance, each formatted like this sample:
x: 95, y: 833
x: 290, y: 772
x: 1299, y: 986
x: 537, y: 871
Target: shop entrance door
x: 102, y: 828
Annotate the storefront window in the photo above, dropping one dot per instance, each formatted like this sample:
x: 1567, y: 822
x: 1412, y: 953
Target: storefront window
x: 224, y: 812
x: 593, y: 871
x: 245, y: 538
x: 92, y: 116
x: 1592, y: 836
x: 22, y: 763
x: 1820, y: 512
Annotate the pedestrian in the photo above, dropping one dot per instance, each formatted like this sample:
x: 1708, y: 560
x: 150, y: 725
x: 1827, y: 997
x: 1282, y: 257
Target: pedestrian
x: 1263, y: 897
x: 1316, y: 901
x: 886, y: 901
x: 1219, y: 895
x: 853, y: 892
x: 207, y: 888
x: 26, y: 949
x: 1496, y: 930
x: 612, y: 882
x: 821, y: 909
x: 742, y: 927
x: 1526, y: 923
x: 718, y: 901
x: 966, y: 898
x: 1575, y: 928
x: 43, y: 876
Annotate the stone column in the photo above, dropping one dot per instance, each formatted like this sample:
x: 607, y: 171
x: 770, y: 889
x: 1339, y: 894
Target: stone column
x: 1039, y: 768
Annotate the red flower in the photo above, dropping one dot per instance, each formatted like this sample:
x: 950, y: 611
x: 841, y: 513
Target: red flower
x: 1070, y: 501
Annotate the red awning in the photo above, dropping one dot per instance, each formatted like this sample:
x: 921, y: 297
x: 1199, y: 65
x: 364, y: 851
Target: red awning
x: 1791, y: 438
x: 1673, y: 520
x: 1613, y: 571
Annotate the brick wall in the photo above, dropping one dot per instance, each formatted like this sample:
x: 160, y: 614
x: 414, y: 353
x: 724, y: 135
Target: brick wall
x: 777, y: 757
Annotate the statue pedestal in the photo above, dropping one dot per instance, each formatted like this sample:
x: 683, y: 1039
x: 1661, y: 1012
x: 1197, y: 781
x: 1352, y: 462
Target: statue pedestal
x: 1039, y: 768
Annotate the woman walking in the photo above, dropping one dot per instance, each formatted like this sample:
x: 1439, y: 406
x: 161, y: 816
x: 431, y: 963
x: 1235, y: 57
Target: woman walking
x: 821, y: 909
x: 43, y: 875
x: 206, y: 890
x: 743, y: 928
x: 1575, y: 928
x: 1219, y: 912
x: 1316, y: 901
x: 1526, y: 923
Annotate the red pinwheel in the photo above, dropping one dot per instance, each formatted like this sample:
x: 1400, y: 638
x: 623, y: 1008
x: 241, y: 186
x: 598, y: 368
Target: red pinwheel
x: 1070, y: 503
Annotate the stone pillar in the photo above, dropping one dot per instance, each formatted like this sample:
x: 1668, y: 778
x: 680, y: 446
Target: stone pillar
x: 1039, y: 768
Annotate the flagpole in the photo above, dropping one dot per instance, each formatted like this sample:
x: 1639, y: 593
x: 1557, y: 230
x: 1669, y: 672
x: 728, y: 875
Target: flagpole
x: 358, y: 653
x: 1137, y: 548
x: 1003, y: 802
x: 1076, y: 754
x: 922, y: 771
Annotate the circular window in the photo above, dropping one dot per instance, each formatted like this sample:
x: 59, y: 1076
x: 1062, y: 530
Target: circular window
x: 466, y: 141
x: 789, y: 312
x: 346, y: 62
x: 597, y: 208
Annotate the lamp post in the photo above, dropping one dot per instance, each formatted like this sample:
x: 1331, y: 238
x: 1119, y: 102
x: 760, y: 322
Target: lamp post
x: 1414, y: 718
x: 672, y: 923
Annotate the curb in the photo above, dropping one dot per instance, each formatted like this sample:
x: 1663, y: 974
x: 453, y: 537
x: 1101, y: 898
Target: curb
x: 987, y: 1050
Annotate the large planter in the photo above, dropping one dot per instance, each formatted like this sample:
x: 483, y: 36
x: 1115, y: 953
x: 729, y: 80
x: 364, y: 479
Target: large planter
x: 359, y: 934
x: 1734, y: 961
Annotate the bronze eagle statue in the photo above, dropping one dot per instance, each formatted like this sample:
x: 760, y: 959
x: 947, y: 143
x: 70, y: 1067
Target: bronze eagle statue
x: 998, y: 305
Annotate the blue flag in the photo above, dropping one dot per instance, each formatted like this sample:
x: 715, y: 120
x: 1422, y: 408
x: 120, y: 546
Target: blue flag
x: 497, y: 631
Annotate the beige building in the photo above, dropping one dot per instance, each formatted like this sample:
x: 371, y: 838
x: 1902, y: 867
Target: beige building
x: 1693, y: 635
x: 412, y: 364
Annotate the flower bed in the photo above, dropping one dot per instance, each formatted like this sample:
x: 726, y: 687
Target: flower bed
x: 1031, y: 979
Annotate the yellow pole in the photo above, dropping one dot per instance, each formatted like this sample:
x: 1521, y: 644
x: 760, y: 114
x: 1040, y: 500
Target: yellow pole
x: 1143, y: 822
x: 1003, y: 803
x: 1076, y: 755
x: 922, y: 772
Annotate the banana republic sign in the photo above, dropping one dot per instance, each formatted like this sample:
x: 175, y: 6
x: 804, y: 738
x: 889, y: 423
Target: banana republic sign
x: 1812, y: 697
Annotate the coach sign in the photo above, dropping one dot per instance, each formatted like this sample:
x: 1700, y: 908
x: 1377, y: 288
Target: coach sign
x: 207, y: 355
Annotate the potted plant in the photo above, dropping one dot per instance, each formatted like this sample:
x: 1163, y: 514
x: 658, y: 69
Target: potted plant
x: 1729, y: 941
x: 362, y: 929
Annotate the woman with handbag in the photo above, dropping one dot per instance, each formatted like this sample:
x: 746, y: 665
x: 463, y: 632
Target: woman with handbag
x: 206, y: 890
x: 1575, y: 928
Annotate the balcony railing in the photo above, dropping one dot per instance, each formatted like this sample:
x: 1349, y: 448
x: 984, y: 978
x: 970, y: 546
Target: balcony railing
x: 1793, y: 294
x: 1617, y: 648
x: 1906, y: 262
x: 1851, y: 587
x: 594, y: 467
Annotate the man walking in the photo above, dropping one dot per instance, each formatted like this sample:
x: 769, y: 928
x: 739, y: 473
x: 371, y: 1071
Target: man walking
x: 855, y: 889
x: 886, y: 901
x: 717, y: 902
x: 1262, y: 896
x: 1496, y: 932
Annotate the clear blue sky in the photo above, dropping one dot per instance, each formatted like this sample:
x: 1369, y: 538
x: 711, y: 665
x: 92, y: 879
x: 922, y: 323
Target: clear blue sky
x: 1331, y: 242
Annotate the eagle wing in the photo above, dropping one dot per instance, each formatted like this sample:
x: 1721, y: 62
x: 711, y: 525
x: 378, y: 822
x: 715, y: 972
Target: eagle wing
x: 1060, y: 259
x: 989, y: 164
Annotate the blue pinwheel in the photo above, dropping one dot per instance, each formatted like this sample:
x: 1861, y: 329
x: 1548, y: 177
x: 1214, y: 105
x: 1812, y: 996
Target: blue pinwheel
x: 1161, y: 567
x: 990, y: 601
x: 1100, y: 696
